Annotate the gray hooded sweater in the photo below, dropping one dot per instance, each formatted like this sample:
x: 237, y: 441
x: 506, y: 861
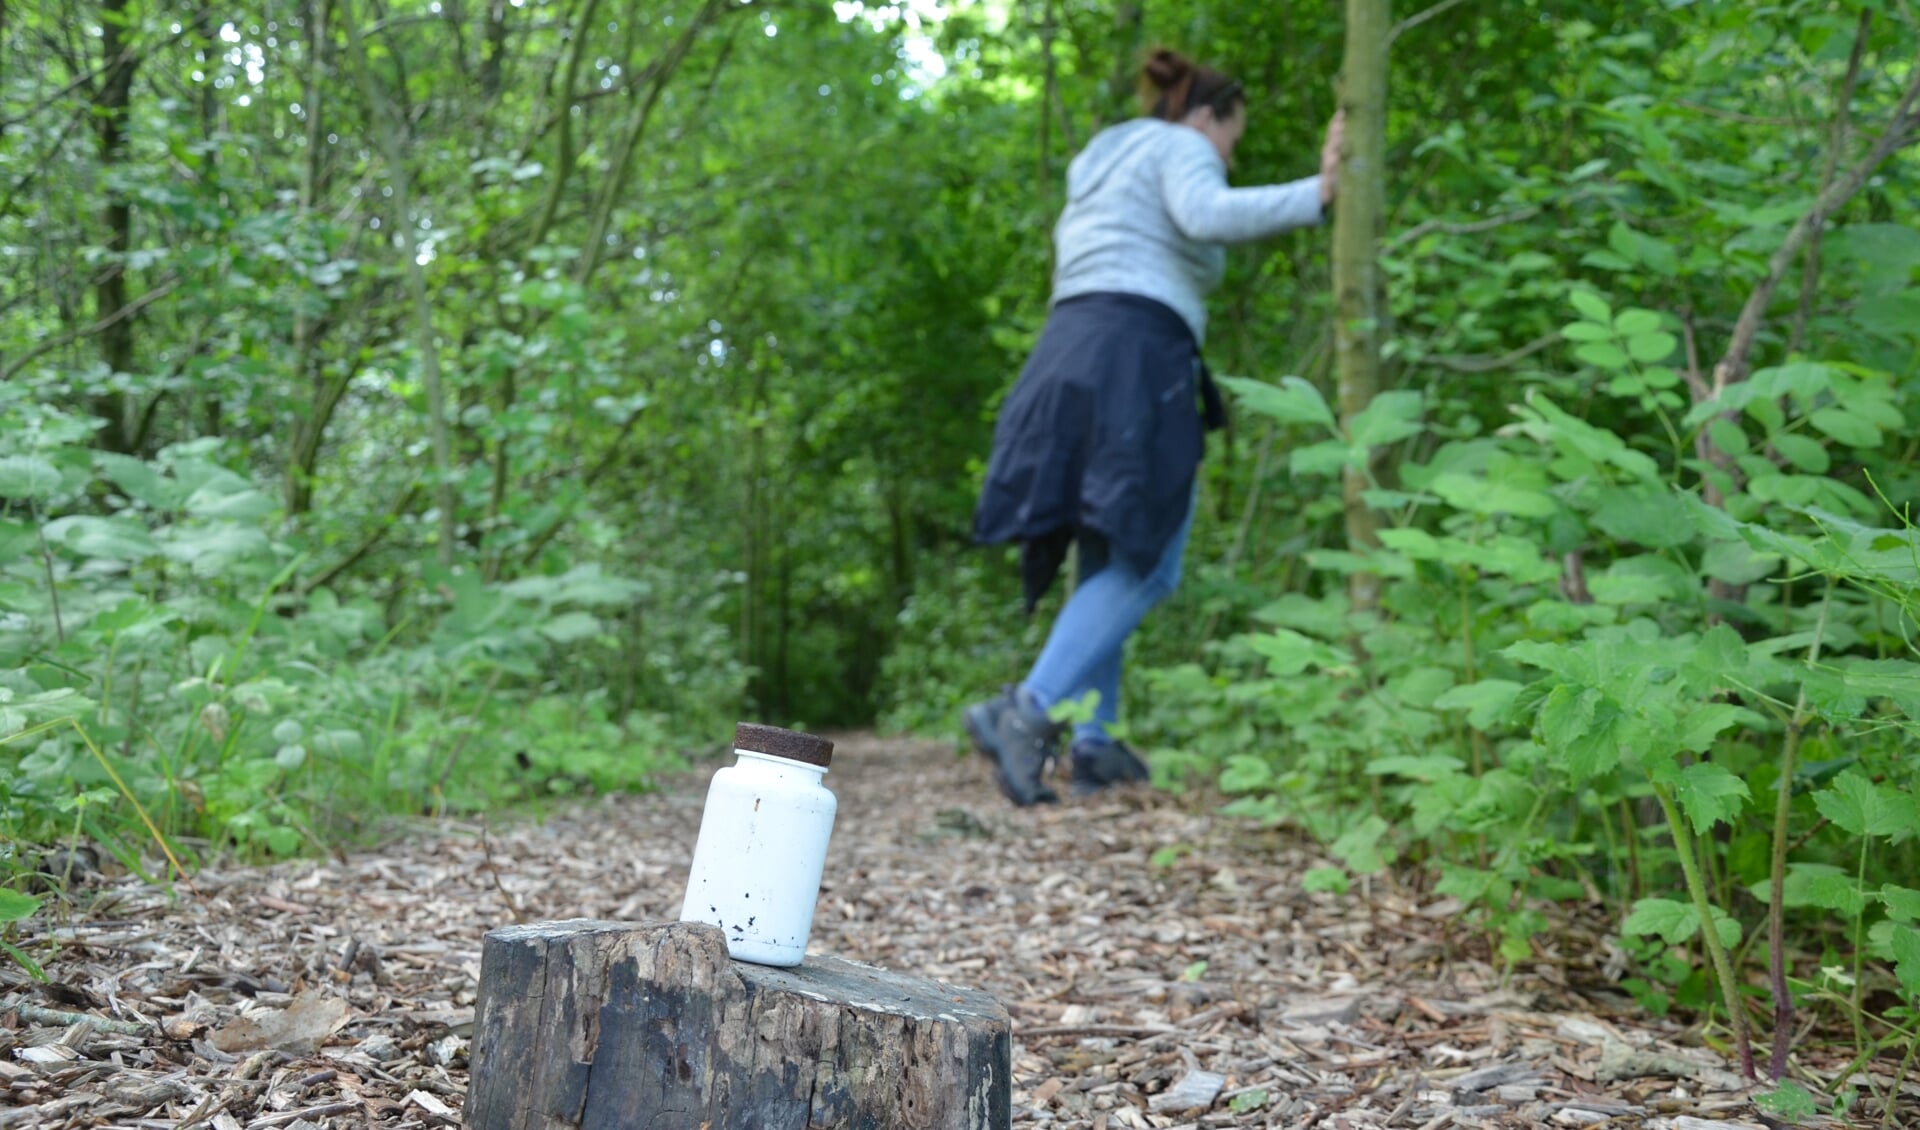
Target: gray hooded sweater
x: 1148, y: 210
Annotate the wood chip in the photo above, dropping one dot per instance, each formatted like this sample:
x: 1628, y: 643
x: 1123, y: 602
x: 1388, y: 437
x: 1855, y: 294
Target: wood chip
x: 1144, y: 942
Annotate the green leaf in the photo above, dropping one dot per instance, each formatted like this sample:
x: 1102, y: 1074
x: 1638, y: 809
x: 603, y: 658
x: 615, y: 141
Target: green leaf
x: 290, y: 757
x: 15, y: 907
x: 1324, y: 881
x: 140, y: 480
x: 1485, y: 702
x: 1728, y: 436
x: 1703, y: 725
x: 1673, y: 922
x: 1834, y: 891
x: 1245, y: 773
x: 1325, y: 458
x: 1391, y: 417
x: 116, y: 539
x: 1602, y: 355
x: 1788, y: 1101
x: 1737, y: 563
x: 1906, y: 956
x: 1805, y: 453
x: 1292, y: 401
x: 1641, y: 248
x: 1359, y: 846
x: 1591, y: 306
x: 28, y: 478
x: 1578, y: 723
x: 1419, y: 686
x: 1253, y: 1100
x: 1644, y: 515
x: 17, y: 539
x: 210, y: 548
x: 1903, y: 903
x: 1798, y: 886
x: 1489, y: 496
x: 1709, y: 795
x: 1858, y: 806
x: 1634, y: 322
x: 1650, y: 347
x: 571, y: 627
x: 1586, y: 331
x: 1288, y: 653
x: 1846, y: 427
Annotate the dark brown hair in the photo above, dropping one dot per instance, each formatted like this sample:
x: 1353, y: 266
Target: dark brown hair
x: 1172, y: 85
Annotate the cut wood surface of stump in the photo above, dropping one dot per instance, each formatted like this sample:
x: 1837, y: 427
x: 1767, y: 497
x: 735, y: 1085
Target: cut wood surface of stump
x: 619, y: 1026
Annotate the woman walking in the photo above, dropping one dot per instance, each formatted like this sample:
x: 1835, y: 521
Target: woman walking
x: 1099, y: 442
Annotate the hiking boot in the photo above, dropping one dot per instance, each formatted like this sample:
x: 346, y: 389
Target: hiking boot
x: 1020, y: 740
x: 1099, y: 765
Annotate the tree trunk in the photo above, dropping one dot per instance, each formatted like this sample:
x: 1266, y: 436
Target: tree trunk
x: 110, y: 103
x: 1356, y: 275
x: 309, y: 430
x: 621, y: 162
x: 1129, y: 20
x: 386, y: 125
x: 603, y: 1024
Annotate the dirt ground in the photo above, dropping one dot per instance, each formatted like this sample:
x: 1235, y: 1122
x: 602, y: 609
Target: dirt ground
x: 1163, y: 967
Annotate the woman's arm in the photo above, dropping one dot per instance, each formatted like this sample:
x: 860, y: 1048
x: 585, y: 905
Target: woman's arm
x: 1193, y: 186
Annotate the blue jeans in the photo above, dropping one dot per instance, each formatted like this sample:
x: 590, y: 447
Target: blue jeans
x: 1084, y: 648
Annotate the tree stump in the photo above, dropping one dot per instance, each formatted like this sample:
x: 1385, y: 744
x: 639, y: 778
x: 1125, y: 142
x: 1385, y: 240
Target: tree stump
x: 615, y: 1026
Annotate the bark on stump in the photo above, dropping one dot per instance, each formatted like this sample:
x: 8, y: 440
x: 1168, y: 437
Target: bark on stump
x: 616, y: 1026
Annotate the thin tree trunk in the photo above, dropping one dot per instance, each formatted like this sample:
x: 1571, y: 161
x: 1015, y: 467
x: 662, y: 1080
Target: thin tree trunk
x: 663, y: 68
x: 564, y: 154
x: 1047, y: 32
x: 387, y: 128
x: 502, y: 462
x: 495, y: 51
x: 1836, y: 142
x: 310, y: 429
x: 1356, y: 276
x: 1733, y: 367
x: 110, y: 103
x: 1129, y: 18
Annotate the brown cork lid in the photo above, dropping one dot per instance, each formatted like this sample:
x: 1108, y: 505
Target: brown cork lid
x: 790, y: 744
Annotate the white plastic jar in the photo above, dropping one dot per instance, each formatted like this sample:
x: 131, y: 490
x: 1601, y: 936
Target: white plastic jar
x: 763, y: 844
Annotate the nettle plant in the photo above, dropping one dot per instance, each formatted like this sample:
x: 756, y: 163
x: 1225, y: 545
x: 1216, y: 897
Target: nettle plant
x: 167, y: 670
x: 1586, y: 680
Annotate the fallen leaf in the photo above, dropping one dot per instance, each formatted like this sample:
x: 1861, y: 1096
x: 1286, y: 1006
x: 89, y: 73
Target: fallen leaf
x: 300, y: 1028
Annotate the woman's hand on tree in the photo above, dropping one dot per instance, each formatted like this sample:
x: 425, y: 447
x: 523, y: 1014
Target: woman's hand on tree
x: 1330, y: 158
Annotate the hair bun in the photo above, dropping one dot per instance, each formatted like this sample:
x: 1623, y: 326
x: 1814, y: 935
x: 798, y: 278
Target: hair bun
x: 1166, y: 69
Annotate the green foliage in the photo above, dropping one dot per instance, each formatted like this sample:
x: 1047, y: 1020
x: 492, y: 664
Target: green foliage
x: 209, y: 688
x: 721, y: 298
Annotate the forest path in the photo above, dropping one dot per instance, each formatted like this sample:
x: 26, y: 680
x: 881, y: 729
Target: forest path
x: 1138, y: 941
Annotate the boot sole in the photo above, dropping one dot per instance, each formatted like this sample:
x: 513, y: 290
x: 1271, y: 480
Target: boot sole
x: 984, y: 745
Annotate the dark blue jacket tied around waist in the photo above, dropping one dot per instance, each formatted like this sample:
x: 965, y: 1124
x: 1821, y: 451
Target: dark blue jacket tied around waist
x: 1102, y: 434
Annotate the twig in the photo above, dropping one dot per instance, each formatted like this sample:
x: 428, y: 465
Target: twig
x: 34, y: 1014
x: 1419, y: 18
x: 1121, y: 1030
x: 1733, y: 366
x: 1471, y: 227
x: 290, y: 1116
x: 373, y: 539
x: 513, y: 906
x: 71, y: 336
x: 1472, y: 364
x: 53, y: 587
x: 1810, y: 268
x: 211, y: 1105
x: 1735, y: 115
